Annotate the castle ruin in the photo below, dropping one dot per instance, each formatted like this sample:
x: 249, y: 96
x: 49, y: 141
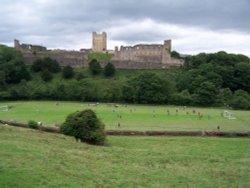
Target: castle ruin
x: 99, y: 42
x: 146, y: 53
x: 31, y: 53
x: 28, y: 47
x: 140, y: 56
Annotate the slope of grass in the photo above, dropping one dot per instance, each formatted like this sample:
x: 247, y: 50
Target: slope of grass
x: 30, y: 158
x: 99, y: 56
x: 130, y: 117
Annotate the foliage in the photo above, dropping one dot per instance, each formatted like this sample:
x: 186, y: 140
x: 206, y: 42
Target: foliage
x: 12, y: 66
x: 94, y: 67
x: 206, y: 94
x: 46, y: 64
x: 241, y: 100
x: 175, y: 54
x: 205, y: 79
x: 182, y: 98
x: 67, y: 72
x: 79, y: 76
x: 147, y: 88
x: 33, y: 124
x: 85, y: 126
x: 109, y: 70
x: 46, y: 75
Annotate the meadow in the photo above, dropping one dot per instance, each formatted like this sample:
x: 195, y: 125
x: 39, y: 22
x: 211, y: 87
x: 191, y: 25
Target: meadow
x: 31, y: 158
x: 130, y: 117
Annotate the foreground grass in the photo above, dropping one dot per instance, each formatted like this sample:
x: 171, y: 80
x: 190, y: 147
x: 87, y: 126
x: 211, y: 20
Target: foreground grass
x: 30, y: 158
x: 130, y: 117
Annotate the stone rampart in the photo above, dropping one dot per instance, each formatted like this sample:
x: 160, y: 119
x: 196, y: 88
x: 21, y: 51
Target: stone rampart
x: 64, y: 58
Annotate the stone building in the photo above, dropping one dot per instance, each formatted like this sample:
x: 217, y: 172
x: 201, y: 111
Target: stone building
x: 147, y: 53
x: 33, y: 52
x: 140, y: 56
x: 99, y: 42
x: 28, y: 47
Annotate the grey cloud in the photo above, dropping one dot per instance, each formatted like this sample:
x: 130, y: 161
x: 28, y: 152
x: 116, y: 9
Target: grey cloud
x: 57, y: 20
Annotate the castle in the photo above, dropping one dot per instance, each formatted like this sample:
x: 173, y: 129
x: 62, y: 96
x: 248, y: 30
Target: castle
x: 140, y: 56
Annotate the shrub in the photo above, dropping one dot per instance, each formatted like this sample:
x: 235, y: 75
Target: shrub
x: 33, y: 124
x: 67, y: 72
x: 84, y: 126
x: 46, y: 75
x: 109, y: 70
x: 94, y: 67
x: 46, y: 64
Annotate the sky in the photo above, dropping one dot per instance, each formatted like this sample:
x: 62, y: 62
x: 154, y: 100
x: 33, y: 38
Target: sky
x: 194, y: 26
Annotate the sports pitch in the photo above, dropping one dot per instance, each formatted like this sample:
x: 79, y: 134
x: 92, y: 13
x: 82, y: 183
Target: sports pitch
x: 131, y: 117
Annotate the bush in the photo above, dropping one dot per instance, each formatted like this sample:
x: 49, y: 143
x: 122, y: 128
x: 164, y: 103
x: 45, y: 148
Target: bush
x: 67, y: 72
x: 33, y: 124
x: 84, y: 126
x: 109, y: 70
x: 46, y: 75
x: 240, y: 100
x: 46, y: 64
x: 94, y: 67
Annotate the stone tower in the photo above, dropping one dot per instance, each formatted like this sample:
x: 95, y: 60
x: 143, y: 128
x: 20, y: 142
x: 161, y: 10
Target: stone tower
x: 99, y: 42
x: 16, y: 44
x: 166, y: 50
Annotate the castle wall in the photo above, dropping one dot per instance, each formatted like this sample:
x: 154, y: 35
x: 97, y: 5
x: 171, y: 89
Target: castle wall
x: 148, y: 54
x: 141, y: 56
x: 64, y: 58
x: 28, y: 47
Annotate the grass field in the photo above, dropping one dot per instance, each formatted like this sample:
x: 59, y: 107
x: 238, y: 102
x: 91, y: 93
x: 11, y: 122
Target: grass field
x: 30, y: 158
x: 130, y: 117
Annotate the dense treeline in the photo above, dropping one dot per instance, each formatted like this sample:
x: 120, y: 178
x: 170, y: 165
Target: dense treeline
x: 218, y: 79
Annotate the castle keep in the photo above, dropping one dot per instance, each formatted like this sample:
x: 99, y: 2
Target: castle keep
x: 99, y: 42
x: 140, y: 56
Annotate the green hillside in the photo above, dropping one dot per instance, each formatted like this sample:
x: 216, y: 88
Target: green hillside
x: 30, y: 158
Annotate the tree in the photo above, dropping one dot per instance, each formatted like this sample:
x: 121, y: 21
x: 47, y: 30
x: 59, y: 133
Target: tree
x: 224, y: 97
x: 46, y: 75
x: 85, y: 126
x: 2, y: 80
x: 242, y: 76
x: 46, y: 64
x: 67, y: 72
x: 109, y: 70
x: 241, y: 100
x: 94, y: 67
x: 175, y: 54
x: 205, y: 94
x: 12, y: 65
x: 182, y: 98
x: 147, y: 88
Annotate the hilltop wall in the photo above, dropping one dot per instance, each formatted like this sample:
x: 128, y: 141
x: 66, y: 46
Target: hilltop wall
x: 155, y: 55
x: 64, y: 58
x: 141, y: 56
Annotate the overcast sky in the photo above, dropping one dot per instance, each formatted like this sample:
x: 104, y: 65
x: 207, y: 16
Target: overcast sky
x: 193, y: 25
